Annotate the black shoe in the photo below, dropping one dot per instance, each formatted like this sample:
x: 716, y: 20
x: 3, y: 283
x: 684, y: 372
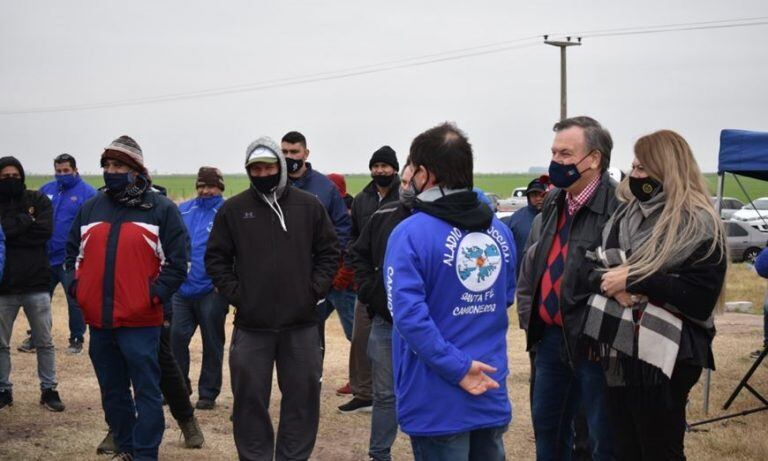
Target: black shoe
x: 26, y: 345
x: 6, y: 398
x: 107, y: 446
x: 123, y: 457
x: 205, y: 404
x: 757, y: 353
x: 356, y: 405
x: 193, y: 436
x: 51, y: 400
x: 75, y: 346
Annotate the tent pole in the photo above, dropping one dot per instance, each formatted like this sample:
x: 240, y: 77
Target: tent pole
x: 718, y: 206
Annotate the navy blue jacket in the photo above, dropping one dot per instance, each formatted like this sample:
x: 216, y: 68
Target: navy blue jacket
x: 520, y: 225
x: 321, y: 187
x: 66, y: 202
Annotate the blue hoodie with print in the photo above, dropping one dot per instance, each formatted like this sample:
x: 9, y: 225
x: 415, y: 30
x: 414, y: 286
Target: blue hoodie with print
x: 198, y: 215
x: 448, y: 290
x: 67, y: 195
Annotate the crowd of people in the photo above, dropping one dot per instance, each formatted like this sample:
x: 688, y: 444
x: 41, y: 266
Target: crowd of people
x: 614, y: 283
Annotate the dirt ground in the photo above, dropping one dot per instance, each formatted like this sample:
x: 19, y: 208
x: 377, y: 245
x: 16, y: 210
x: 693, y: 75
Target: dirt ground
x: 29, y: 432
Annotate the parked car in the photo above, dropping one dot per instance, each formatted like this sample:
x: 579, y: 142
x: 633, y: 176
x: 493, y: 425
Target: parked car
x: 519, y: 192
x: 728, y: 206
x: 756, y: 216
x: 744, y: 241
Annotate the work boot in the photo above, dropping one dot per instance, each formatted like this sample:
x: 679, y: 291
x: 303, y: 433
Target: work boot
x: 107, y: 446
x: 51, y: 400
x: 75, y: 346
x: 193, y: 436
x: 26, y: 345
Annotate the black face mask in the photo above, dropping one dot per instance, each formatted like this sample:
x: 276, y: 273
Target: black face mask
x: 293, y: 165
x: 644, y: 188
x: 11, y: 187
x: 383, y: 180
x: 265, y: 184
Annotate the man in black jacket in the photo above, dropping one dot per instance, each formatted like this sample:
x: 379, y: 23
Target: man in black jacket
x: 27, y: 220
x: 273, y: 253
x: 383, y: 189
x: 572, y: 219
x: 367, y: 259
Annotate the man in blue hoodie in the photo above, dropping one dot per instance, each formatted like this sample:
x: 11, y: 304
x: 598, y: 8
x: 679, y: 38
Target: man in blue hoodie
x: 197, y: 303
x: 449, y: 272
x: 67, y: 193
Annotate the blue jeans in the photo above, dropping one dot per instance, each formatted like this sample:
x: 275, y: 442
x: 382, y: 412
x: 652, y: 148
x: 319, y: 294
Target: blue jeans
x: 209, y: 313
x: 125, y: 358
x: 384, y: 416
x: 344, y: 303
x: 76, y: 320
x: 478, y: 445
x: 37, y: 307
x: 558, y: 393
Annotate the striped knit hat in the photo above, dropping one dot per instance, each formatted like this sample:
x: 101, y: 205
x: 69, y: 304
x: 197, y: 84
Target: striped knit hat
x: 209, y: 176
x: 125, y: 149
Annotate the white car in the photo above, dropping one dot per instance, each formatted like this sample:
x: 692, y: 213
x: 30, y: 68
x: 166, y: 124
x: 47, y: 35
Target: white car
x: 756, y: 216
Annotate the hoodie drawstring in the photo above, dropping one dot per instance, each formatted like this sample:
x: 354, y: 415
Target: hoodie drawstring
x: 276, y: 208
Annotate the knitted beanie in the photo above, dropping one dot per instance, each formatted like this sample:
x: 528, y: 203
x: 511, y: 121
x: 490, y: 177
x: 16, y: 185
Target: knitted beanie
x: 209, y: 176
x: 387, y: 155
x: 125, y: 149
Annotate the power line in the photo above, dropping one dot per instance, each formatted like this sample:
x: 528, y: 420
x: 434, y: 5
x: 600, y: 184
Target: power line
x: 422, y: 60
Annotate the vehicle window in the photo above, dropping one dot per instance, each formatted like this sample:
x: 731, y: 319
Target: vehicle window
x: 734, y: 230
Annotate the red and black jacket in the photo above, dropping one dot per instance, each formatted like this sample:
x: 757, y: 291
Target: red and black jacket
x: 128, y: 261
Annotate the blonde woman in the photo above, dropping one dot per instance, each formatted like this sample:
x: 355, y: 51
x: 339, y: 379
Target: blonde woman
x: 657, y: 279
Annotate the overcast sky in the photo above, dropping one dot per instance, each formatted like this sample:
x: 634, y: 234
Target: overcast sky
x: 55, y: 53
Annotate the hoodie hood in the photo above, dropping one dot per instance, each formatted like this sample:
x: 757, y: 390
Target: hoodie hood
x: 338, y: 181
x: 268, y: 143
x: 13, y: 161
x: 460, y: 208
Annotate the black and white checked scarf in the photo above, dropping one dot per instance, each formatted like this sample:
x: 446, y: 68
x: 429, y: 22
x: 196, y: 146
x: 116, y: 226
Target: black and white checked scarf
x: 654, y: 339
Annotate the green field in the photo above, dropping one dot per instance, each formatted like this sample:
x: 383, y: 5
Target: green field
x: 183, y: 186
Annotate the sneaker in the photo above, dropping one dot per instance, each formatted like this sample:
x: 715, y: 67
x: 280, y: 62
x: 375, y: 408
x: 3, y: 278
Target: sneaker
x: 123, y: 457
x: 6, y: 398
x: 107, y: 446
x: 356, y: 405
x: 50, y: 399
x: 205, y: 404
x: 757, y: 353
x: 193, y: 436
x: 344, y: 390
x: 75, y: 346
x: 26, y: 345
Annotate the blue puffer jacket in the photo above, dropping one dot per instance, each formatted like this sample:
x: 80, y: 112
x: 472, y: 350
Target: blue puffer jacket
x: 448, y: 291
x: 321, y: 187
x: 198, y: 217
x: 66, y: 201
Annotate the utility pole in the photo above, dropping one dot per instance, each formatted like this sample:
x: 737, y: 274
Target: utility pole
x: 563, y: 77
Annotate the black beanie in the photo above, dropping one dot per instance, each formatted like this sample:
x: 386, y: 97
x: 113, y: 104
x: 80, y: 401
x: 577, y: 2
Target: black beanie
x: 387, y: 155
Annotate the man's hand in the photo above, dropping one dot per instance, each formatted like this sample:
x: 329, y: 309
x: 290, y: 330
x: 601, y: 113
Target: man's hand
x: 476, y: 382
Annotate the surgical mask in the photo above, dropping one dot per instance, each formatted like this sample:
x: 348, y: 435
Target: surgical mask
x: 383, y: 180
x: 117, y: 182
x: 11, y: 187
x: 265, y: 184
x: 644, y: 188
x: 65, y: 181
x: 407, y: 196
x: 293, y: 165
x: 563, y: 176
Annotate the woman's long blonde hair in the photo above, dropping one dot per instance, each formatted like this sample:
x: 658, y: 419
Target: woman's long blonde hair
x: 688, y: 211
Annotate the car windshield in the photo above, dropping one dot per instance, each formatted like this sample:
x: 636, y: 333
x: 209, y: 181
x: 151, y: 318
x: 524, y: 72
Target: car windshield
x: 760, y: 204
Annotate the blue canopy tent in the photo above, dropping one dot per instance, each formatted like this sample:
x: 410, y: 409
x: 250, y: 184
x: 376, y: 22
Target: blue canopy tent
x: 742, y: 153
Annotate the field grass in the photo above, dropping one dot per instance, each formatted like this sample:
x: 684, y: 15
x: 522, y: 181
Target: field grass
x: 182, y: 187
x: 28, y: 432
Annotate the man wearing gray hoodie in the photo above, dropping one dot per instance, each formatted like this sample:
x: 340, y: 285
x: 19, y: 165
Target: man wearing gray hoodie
x: 273, y: 253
